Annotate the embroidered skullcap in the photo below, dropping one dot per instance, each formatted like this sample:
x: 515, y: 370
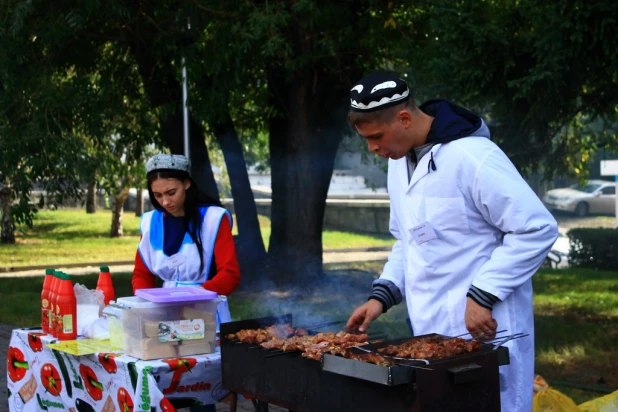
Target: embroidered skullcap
x: 168, y: 162
x: 378, y: 91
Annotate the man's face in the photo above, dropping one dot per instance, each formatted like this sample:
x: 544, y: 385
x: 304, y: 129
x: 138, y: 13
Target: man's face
x: 388, y: 140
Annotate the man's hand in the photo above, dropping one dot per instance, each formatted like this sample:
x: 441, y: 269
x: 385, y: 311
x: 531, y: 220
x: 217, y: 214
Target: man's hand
x: 364, y: 315
x: 479, y: 321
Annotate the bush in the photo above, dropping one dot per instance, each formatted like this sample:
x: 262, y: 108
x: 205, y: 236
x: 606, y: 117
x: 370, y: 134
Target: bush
x: 594, y: 248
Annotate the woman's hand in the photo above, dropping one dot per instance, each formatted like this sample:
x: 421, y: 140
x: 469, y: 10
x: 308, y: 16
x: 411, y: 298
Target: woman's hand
x: 479, y: 321
x: 364, y: 315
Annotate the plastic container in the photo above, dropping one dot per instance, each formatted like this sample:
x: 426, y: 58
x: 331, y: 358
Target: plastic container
x: 105, y: 285
x: 181, y: 294
x: 66, y: 309
x: 183, y: 325
x: 113, y: 313
x: 45, y: 305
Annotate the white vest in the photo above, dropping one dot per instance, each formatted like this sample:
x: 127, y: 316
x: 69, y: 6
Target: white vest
x: 182, y: 268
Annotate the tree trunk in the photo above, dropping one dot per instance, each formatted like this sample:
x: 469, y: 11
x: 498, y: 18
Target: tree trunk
x: 249, y: 244
x: 91, y: 197
x: 117, y: 205
x: 7, y: 235
x: 163, y: 88
x: 303, y: 144
x: 139, y: 203
x: 201, y: 171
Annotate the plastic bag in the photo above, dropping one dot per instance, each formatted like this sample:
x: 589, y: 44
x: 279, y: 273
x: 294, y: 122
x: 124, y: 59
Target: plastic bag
x: 90, y: 303
x: 547, y: 399
x: 607, y: 403
x: 98, y: 329
x: 88, y: 296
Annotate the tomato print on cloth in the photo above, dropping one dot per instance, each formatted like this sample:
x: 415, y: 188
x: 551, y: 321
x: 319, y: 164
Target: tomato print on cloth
x: 42, y: 379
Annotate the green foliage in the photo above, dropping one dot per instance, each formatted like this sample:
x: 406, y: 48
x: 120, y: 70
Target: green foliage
x: 576, y: 323
x: 73, y: 236
x: 543, y: 72
x: 73, y: 104
x: 594, y: 248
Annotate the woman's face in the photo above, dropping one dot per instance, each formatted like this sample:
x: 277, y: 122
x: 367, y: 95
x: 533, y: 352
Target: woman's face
x: 171, y: 194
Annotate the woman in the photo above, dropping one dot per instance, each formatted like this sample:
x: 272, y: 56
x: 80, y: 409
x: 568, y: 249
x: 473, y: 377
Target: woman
x: 187, y: 240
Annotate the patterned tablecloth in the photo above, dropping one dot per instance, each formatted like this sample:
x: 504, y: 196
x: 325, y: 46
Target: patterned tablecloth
x: 42, y: 379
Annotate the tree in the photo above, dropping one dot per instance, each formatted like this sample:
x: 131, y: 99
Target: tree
x: 295, y: 61
x: 544, y: 73
x: 93, y: 88
x: 7, y: 234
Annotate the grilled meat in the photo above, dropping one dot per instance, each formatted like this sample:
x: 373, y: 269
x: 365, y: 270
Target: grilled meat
x: 434, y: 347
x: 370, y: 357
x: 287, y: 339
x: 262, y: 335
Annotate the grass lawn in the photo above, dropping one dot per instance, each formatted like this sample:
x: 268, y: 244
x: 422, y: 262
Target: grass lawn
x: 72, y: 236
x: 576, y: 315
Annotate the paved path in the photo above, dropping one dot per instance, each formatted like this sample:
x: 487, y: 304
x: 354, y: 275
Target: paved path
x: 340, y: 256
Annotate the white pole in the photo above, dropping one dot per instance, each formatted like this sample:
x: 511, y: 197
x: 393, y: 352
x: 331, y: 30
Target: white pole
x: 616, y: 177
x: 185, y: 108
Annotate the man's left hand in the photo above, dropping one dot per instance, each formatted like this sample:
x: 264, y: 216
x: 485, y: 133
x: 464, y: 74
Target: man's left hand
x: 479, y: 321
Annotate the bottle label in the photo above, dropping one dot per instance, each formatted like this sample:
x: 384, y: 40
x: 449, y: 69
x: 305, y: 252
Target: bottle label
x: 45, y: 317
x: 178, y: 330
x: 45, y: 303
x: 66, y: 325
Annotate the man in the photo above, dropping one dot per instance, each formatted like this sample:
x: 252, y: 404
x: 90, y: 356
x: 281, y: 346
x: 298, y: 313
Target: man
x: 470, y: 232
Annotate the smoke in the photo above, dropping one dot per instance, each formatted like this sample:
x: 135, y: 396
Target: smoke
x: 332, y: 298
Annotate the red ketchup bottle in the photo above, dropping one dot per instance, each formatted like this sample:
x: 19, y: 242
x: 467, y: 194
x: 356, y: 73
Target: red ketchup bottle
x: 66, y: 306
x: 53, y: 291
x: 49, y: 277
x: 105, y: 285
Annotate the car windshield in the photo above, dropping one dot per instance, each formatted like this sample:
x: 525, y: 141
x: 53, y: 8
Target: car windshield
x: 588, y: 188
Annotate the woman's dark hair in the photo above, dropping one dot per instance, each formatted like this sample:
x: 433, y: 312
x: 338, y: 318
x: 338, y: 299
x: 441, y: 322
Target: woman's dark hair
x: 193, y: 200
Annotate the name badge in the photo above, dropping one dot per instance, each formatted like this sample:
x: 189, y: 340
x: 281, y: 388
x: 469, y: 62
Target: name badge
x: 175, y: 260
x: 423, y: 233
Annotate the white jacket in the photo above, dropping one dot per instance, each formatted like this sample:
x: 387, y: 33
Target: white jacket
x: 492, y: 232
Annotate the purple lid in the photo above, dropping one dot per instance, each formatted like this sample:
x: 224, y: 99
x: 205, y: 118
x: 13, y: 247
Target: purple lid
x: 180, y: 294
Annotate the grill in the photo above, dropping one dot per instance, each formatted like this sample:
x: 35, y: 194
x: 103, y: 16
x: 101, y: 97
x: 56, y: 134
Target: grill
x: 462, y: 383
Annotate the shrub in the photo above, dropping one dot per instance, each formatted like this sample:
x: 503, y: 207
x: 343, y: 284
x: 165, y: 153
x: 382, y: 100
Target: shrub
x: 594, y: 248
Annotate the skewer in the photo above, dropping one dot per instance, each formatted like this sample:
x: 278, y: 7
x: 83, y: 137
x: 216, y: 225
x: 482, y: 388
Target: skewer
x: 508, y: 338
x: 415, y: 367
x: 425, y: 361
x: 470, y: 333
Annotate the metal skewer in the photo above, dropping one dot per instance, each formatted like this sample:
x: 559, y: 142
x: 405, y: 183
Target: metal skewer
x: 508, y: 338
x: 470, y: 333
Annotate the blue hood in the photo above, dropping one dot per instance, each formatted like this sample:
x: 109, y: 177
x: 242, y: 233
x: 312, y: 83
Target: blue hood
x: 452, y: 122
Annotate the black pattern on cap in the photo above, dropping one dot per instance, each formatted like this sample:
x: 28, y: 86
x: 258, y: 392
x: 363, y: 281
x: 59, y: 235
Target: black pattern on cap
x: 378, y: 91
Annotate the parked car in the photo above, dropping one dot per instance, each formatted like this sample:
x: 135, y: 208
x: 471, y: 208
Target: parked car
x: 596, y: 196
